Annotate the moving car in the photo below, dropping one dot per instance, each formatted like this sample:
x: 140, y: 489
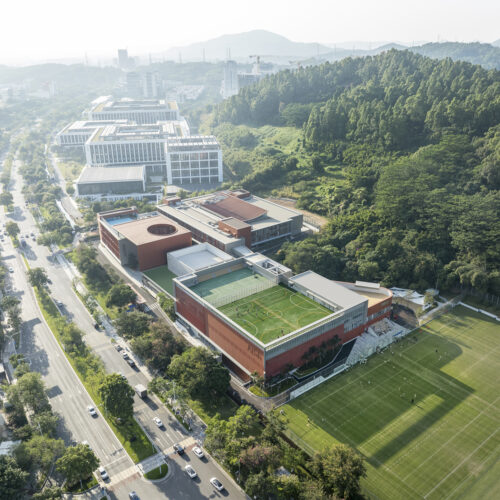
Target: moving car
x: 92, y: 411
x: 216, y: 484
x: 198, y: 452
x: 158, y: 422
x: 133, y: 495
x: 178, y: 449
x: 131, y: 362
x: 11, y: 269
x: 103, y: 473
x: 125, y: 355
x: 190, y: 471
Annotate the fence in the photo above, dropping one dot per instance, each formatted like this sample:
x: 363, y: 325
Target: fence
x: 222, y: 300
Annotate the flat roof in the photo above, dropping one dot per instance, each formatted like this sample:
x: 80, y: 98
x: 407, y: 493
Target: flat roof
x: 112, y: 174
x: 137, y: 231
x: 328, y: 290
x: 200, y: 256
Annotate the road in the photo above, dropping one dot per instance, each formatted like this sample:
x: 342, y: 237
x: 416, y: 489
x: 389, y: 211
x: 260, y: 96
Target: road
x: 69, y: 398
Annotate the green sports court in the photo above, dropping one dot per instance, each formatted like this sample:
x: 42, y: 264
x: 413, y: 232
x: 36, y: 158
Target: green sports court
x: 425, y: 414
x: 271, y: 311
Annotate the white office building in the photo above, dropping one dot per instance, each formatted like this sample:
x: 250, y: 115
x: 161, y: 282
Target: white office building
x: 141, y: 111
x: 76, y: 134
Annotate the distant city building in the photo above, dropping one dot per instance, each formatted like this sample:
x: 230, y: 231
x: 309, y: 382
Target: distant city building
x: 124, y: 61
x: 133, y: 84
x: 230, y: 85
x: 143, y: 85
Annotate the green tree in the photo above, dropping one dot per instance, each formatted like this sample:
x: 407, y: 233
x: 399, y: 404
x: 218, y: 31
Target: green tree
x: 12, y: 478
x: 167, y: 304
x: 77, y: 463
x: 43, y: 451
x: 9, y: 301
x: 339, y: 469
x: 132, y: 324
x: 37, y: 277
x: 45, y: 423
x: 260, y: 485
x: 51, y: 493
x: 32, y: 392
x: 120, y: 295
x: 117, y: 396
x: 6, y: 198
x: 12, y: 229
x: 197, y: 370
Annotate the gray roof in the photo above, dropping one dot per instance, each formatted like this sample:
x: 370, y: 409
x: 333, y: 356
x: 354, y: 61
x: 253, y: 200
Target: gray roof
x: 329, y: 290
x: 112, y: 174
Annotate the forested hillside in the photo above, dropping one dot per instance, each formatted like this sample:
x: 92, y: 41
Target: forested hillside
x: 400, y: 151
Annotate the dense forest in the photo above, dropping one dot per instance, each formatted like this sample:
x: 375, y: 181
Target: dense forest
x: 402, y: 154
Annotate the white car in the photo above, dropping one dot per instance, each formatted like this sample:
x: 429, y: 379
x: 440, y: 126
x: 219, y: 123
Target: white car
x: 190, y: 471
x: 158, y: 422
x: 216, y: 484
x: 103, y: 473
x: 92, y: 411
x: 11, y: 269
x: 198, y: 452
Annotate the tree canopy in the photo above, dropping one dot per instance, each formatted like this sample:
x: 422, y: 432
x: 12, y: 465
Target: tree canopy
x: 117, y: 395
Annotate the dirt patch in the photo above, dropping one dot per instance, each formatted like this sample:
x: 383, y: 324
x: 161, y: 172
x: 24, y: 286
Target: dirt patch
x: 309, y: 217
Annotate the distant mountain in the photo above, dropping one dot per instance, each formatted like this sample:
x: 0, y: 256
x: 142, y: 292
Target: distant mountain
x: 241, y: 45
x: 484, y: 54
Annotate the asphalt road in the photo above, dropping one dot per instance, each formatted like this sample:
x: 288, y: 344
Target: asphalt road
x: 69, y: 397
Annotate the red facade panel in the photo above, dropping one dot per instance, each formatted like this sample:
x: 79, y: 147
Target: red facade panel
x: 236, y: 346
x: 153, y: 253
x: 190, y: 309
x: 109, y: 240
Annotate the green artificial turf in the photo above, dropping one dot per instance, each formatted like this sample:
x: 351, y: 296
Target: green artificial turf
x: 446, y: 444
x: 274, y: 312
x: 163, y: 277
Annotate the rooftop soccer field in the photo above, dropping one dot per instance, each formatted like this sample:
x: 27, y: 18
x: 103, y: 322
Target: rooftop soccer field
x: 274, y: 312
x: 446, y: 444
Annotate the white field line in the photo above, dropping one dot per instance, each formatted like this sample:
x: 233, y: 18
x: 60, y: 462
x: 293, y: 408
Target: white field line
x: 451, y: 439
x: 461, y: 463
x: 492, y: 457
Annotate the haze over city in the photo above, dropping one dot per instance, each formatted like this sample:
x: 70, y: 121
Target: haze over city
x: 98, y: 28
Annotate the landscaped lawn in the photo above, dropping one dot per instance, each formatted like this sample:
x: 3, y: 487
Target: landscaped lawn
x: 443, y: 445
x: 163, y: 277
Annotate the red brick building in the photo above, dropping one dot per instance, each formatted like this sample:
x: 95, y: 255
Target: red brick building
x: 141, y: 241
x: 353, y: 308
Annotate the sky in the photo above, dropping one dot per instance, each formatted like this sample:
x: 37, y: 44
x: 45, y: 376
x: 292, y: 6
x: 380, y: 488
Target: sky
x: 32, y: 30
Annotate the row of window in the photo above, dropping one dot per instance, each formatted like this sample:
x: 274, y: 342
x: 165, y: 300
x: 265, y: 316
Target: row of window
x: 127, y: 153
x: 195, y: 172
x: 141, y: 117
x: 202, y: 163
x: 194, y: 156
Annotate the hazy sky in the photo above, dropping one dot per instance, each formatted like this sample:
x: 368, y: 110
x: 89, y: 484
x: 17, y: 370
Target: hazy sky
x: 37, y: 29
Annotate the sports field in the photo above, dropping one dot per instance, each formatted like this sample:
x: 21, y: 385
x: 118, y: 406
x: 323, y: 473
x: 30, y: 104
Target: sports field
x: 443, y: 445
x: 163, y: 276
x: 274, y: 312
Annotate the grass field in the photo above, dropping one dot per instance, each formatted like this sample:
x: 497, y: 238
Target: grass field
x: 163, y: 276
x: 274, y: 312
x: 445, y: 445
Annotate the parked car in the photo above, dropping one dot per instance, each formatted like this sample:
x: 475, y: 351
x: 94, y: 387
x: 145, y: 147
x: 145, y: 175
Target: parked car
x: 125, y: 355
x: 92, y: 411
x: 11, y: 269
x: 103, y: 473
x: 216, y: 484
x: 190, y: 471
x: 118, y: 347
x: 133, y: 495
x: 198, y: 452
x: 178, y: 449
x: 131, y: 362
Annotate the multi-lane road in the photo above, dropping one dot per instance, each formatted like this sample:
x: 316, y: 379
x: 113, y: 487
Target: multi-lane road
x: 70, y: 399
